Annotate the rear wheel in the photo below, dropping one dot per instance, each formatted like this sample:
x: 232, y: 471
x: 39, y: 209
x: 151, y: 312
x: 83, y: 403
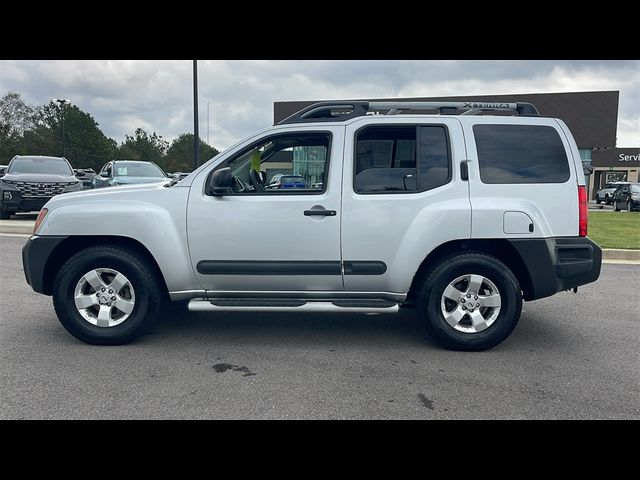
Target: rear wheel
x: 470, y: 301
x: 608, y: 200
x: 106, y: 295
x: 4, y: 214
x: 598, y: 201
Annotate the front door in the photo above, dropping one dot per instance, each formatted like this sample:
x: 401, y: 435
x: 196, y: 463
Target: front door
x: 272, y: 236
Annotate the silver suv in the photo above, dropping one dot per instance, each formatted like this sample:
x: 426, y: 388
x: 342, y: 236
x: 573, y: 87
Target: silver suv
x: 460, y: 216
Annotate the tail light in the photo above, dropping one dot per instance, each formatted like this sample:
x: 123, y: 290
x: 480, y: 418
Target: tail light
x: 582, y: 211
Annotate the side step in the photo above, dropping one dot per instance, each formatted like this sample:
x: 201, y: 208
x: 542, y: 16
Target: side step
x: 292, y: 305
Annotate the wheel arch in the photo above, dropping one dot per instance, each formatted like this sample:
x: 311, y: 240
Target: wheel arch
x: 73, y: 244
x: 499, y: 248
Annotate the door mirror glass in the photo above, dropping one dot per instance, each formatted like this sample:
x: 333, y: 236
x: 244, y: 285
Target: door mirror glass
x: 220, y: 182
x: 104, y: 174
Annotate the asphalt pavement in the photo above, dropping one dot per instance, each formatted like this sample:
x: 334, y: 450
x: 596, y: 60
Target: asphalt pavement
x: 572, y: 356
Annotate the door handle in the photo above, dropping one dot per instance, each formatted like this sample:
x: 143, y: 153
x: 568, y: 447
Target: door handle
x: 464, y: 170
x: 321, y: 213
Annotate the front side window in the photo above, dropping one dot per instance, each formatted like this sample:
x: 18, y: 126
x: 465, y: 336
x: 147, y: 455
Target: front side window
x: 385, y: 159
x: 284, y: 164
x: 520, y: 154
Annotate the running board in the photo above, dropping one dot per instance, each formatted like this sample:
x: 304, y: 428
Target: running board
x: 292, y: 305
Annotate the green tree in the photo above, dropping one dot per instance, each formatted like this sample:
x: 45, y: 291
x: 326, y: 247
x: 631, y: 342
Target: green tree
x: 16, y: 117
x: 142, y: 146
x: 179, y: 156
x: 86, y: 145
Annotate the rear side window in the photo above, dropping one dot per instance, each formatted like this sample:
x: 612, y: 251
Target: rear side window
x: 401, y: 159
x: 520, y: 154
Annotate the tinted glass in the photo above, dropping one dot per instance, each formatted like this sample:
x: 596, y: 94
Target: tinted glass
x: 53, y: 166
x: 130, y: 169
x: 385, y: 160
x: 435, y: 169
x: 520, y: 154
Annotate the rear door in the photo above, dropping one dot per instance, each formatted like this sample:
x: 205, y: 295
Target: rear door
x: 402, y: 198
x: 522, y: 178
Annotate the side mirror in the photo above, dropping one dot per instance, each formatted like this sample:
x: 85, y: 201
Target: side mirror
x: 2, y: 171
x: 220, y: 181
x: 104, y: 174
x: 79, y: 173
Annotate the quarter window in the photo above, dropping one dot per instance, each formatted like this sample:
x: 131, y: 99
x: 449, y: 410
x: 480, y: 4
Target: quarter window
x: 520, y: 154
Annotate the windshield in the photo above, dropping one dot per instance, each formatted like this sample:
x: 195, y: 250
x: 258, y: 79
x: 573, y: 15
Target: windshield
x: 130, y: 169
x: 635, y: 188
x: 52, y: 166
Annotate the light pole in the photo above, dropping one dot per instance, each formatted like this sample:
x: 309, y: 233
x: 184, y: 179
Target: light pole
x: 196, y: 134
x: 63, y: 102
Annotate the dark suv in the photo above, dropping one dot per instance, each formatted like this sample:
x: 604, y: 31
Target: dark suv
x: 627, y: 197
x: 30, y: 182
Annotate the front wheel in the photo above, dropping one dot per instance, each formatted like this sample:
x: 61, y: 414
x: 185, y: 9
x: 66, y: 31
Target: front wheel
x: 470, y: 301
x: 4, y: 214
x: 598, y: 201
x: 105, y: 295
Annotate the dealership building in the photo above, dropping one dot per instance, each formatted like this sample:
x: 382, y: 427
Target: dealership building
x: 591, y: 116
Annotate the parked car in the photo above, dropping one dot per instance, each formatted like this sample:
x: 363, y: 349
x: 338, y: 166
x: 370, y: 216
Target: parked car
x: 127, y: 172
x: 85, y: 175
x: 280, y: 180
x: 627, y: 197
x: 31, y: 181
x: 463, y: 228
x: 3, y: 170
x: 605, y: 194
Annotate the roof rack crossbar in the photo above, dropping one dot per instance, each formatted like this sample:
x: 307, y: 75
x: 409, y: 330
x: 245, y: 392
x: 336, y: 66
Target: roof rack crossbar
x: 343, y: 110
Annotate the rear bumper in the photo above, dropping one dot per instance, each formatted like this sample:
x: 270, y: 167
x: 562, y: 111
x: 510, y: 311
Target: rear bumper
x: 560, y: 263
x: 35, y: 255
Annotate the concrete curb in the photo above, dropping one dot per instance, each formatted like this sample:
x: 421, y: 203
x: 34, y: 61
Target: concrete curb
x: 620, y: 254
x: 16, y: 226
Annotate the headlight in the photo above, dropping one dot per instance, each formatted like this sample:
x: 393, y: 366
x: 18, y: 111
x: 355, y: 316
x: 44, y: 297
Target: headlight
x: 74, y: 187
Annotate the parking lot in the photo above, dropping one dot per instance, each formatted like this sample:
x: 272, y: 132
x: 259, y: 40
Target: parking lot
x: 572, y: 356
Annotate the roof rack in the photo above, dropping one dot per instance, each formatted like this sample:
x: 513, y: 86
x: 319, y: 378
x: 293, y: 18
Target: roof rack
x: 344, y: 110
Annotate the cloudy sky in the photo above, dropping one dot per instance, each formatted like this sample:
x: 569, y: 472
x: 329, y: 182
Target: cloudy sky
x: 157, y: 95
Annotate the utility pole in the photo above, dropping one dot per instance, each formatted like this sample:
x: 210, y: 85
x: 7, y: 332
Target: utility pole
x: 62, y: 103
x: 196, y: 134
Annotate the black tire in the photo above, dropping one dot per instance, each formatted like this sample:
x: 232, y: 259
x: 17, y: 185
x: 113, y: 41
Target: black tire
x: 147, y: 291
x: 434, y: 284
x: 4, y: 214
x: 608, y: 200
x: 598, y: 201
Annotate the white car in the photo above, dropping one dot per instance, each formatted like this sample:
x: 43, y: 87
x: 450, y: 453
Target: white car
x: 454, y: 215
x: 605, y: 194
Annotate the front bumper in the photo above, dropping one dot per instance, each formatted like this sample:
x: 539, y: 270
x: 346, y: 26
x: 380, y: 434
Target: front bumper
x: 36, y: 253
x: 558, y: 263
x: 18, y: 203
